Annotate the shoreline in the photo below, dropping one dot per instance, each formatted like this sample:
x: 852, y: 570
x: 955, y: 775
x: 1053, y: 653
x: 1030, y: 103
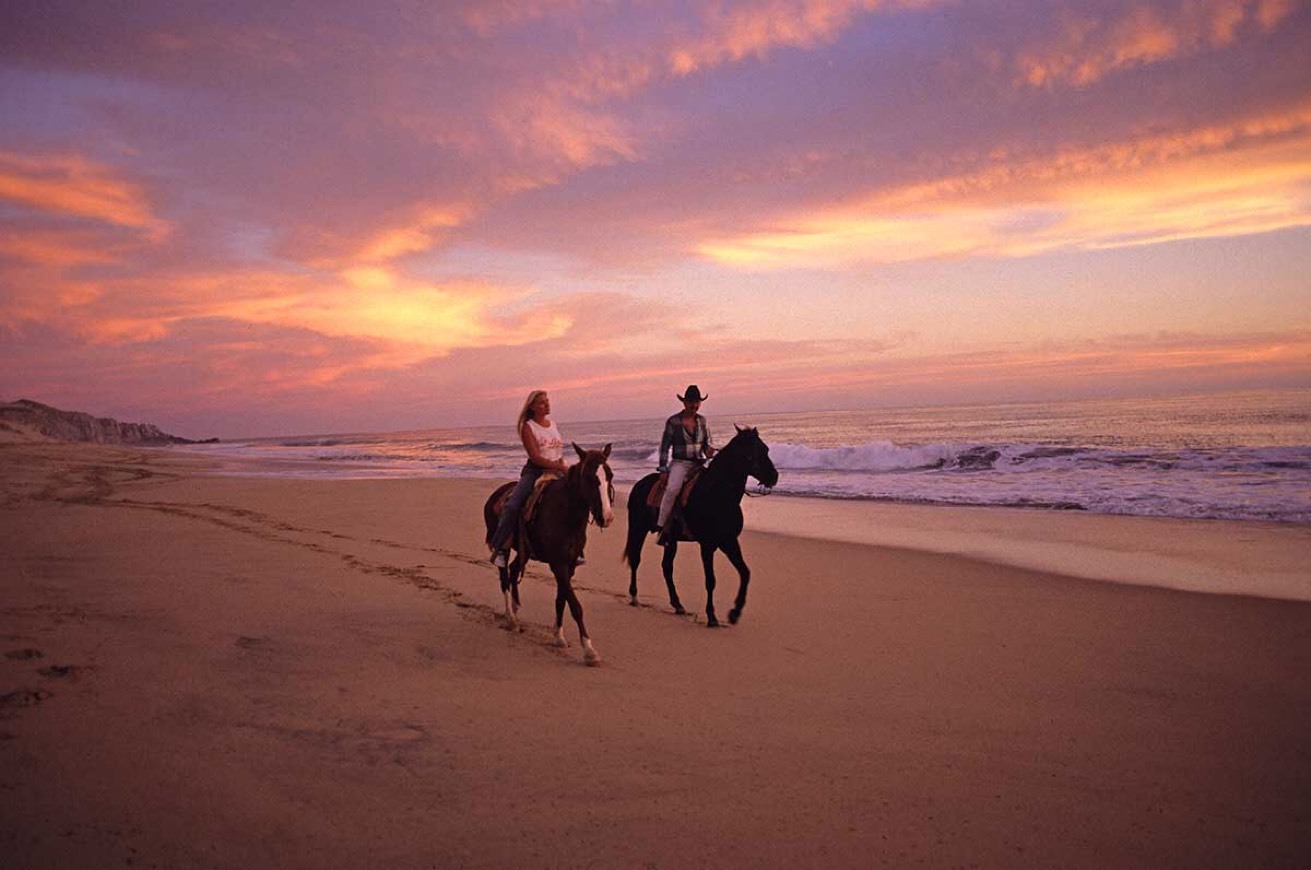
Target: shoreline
x: 1207, y: 556
x: 1261, y: 559
x: 1218, y: 557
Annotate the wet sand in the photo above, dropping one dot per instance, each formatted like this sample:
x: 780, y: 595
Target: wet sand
x: 202, y: 671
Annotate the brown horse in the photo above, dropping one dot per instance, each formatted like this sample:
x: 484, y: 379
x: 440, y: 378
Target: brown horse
x: 556, y: 535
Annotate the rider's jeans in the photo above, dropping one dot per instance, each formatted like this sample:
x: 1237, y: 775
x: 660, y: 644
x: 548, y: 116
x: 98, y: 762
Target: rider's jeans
x: 679, y: 469
x: 510, y: 515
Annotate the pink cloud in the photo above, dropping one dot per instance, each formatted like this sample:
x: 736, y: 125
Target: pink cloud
x: 1232, y: 180
x: 732, y: 33
x: 69, y: 185
x: 1089, y: 47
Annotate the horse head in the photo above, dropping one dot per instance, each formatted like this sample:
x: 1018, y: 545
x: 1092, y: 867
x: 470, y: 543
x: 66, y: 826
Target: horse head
x: 597, y: 483
x: 756, y: 452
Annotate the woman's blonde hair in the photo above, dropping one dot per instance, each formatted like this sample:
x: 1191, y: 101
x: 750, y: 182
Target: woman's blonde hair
x: 527, y: 410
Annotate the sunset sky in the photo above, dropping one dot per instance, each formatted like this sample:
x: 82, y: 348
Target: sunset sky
x: 249, y: 218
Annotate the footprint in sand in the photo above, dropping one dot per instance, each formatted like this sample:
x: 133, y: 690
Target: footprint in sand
x: 23, y: 698
x: 24, y: 654
x: 63, y: 672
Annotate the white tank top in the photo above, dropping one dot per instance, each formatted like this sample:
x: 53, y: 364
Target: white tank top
x: 549, y: 442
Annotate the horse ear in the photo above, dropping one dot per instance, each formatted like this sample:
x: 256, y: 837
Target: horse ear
x: 605, y: 453
x: 582, y: 454
x: 738, y: 428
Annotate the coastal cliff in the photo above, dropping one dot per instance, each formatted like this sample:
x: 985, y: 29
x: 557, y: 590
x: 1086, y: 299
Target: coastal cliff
x: 28, y: 418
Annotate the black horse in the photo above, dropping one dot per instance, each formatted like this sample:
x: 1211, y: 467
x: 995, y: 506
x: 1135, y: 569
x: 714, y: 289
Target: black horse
x: 712, y: 518
x: 557, y: 534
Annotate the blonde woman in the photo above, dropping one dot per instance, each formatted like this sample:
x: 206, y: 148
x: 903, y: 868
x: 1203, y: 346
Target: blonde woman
x: 541, y: 440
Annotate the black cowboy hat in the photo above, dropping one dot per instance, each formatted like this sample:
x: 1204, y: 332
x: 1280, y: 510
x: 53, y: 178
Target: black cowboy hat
x: 693, y: 395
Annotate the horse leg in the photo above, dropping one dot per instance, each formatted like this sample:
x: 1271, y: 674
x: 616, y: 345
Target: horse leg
x: 509, y: 590
x: 708, y: 564
x: 667, y: 566
x: 560, y: 601
x: 565, y: 587
x: 633, y: 553
x: 733, y: 550
x: 514, y: 572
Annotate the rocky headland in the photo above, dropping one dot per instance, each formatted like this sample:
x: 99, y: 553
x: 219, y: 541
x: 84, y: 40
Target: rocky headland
x: 26, y: 419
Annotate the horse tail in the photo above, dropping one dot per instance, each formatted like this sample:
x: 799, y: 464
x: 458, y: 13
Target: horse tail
x: 633, y: 546
x: 637, y: 520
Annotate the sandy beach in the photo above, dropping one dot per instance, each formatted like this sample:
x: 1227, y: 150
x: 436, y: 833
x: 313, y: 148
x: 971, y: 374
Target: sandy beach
x: 212, y: 671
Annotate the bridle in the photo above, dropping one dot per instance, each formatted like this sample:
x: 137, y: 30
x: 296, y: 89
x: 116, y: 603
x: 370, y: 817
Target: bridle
x: 760, y: 490
x: 753, y: 466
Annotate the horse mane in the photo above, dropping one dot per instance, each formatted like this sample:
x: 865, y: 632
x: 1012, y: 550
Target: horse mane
x: 739, y: 441
x: 588, y: 463
x: 730, y: 461
x: 573, y: 475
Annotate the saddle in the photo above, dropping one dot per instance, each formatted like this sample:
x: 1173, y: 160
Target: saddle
x: 657, y: 494
x: 530, y: 505
x: 529, y: 512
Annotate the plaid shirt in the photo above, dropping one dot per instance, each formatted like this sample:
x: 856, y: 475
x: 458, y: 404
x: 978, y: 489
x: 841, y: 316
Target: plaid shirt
x: 690, y: 446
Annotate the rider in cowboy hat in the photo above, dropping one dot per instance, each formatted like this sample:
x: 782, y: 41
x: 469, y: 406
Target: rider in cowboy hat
x: 688, y: 437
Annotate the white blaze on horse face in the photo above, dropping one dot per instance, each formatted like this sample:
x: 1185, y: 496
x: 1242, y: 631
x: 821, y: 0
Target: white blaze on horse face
x: 607, y: 510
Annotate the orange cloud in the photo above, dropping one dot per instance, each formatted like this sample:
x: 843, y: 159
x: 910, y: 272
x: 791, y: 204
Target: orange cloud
x: 1088, y: 49
x: 53, y: 249
x: 1235, y: 180
x: 70, y: 186
x: 558, y: 134
x: 398, y: 320
x: 420, y: 233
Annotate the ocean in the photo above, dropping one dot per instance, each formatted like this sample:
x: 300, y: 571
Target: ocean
x: 1243, y: 456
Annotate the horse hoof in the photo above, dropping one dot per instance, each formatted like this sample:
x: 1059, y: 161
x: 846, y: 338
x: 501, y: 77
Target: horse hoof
x: 734, y: 615
x: 633, y: 601
x: 678, y: 608
x: 712, y: 622
x: 591, y: 657
x: 561, y: 642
